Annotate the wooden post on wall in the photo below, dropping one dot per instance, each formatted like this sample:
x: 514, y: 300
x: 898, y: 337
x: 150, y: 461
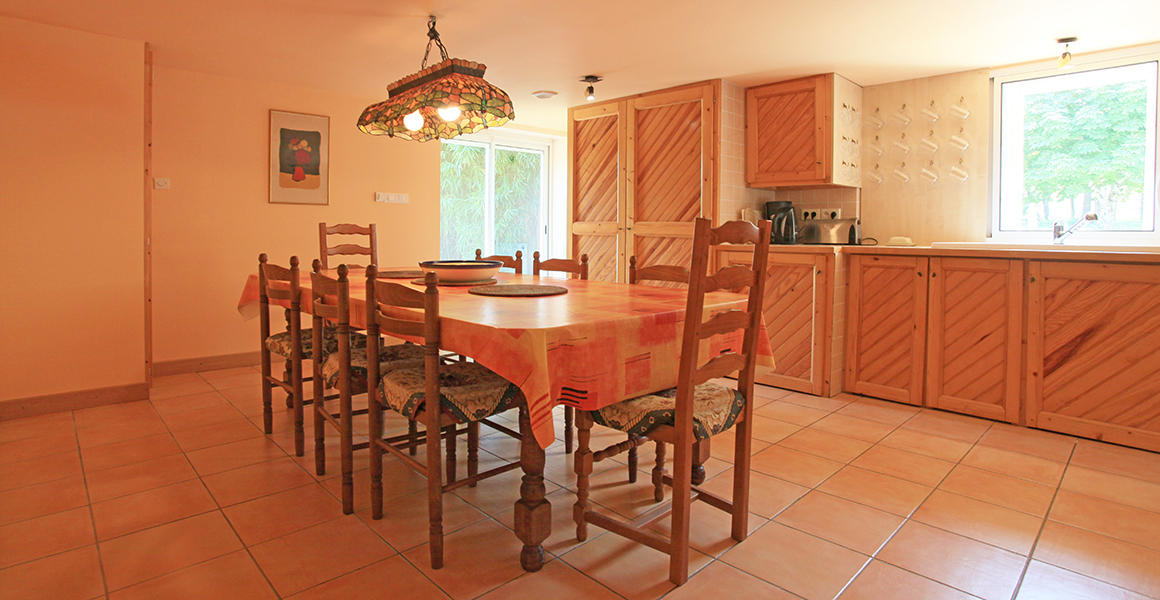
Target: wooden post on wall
x: 148, y: 128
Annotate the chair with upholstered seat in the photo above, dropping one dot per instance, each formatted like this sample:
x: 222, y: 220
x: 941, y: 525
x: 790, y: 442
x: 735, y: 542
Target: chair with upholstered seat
x: 516, y: 263
x: 467, y: 393
x: 579, y: 268
x: 325, y: 250
x: 688, y: 415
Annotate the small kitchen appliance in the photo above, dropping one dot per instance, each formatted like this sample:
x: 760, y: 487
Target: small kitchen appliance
x: 831, y: 231
x: 784, y: 223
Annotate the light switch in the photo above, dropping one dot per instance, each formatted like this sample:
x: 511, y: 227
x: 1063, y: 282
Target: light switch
x: 392, y: 198
x: 160, y: 183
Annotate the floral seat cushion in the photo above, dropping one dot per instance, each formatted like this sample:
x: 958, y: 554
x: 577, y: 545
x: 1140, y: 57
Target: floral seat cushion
x: 715, y: 409
x: 468, y: 391
x: 279, y: 343
x: 406, y: 355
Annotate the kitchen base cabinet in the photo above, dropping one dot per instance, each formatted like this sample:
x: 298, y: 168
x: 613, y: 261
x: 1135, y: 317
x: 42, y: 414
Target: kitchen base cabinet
x: 1093, y: 351
x: 974, y: 336
x: 886, y: 327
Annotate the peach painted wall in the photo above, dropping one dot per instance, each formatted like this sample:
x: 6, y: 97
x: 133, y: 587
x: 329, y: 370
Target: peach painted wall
x: 71, y: 210
x: 210, y: 139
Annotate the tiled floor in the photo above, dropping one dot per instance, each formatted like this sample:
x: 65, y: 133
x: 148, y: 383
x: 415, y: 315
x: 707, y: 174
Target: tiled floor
x: 184, y: 497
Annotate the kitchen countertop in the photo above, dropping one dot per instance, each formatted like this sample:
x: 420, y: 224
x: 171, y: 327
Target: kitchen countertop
x: 1063, y: 253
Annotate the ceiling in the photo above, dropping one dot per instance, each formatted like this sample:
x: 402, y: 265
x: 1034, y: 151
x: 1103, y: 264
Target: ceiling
x: 357, y: 47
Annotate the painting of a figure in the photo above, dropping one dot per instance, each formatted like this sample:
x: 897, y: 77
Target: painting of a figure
x: 299, y: 169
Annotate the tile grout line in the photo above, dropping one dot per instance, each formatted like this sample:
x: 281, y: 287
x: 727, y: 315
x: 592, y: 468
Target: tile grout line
x: 1043, y: 525
x: 89, y: 505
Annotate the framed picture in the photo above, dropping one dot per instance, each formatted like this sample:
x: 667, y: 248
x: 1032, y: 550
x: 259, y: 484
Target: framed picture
x: 299, y: 158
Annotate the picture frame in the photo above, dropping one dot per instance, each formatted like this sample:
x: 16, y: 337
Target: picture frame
x: 299, y: 158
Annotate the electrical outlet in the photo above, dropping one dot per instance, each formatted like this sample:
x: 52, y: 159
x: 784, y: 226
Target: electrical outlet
x: 392, y: 198
x: 160, y: 183
x: 829, y: 213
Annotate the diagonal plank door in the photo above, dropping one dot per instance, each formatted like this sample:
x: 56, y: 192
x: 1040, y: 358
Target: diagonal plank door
x: 886, y: 327
x: 597, y: 135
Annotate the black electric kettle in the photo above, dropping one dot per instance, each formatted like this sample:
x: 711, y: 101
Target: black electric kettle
x: 784, y: 224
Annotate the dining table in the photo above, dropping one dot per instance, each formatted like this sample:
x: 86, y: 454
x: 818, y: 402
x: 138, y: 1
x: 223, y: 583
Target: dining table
x: 594, y: 345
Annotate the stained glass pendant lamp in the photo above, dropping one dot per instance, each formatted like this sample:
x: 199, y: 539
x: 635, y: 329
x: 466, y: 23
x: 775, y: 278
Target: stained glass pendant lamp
x: 444, y: 100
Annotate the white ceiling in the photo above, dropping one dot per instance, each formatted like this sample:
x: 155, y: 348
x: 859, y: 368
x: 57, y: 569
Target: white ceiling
x: 357, y: 47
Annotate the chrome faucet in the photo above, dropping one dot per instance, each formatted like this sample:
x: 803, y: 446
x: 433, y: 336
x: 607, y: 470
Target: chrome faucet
x: 1058, y: 233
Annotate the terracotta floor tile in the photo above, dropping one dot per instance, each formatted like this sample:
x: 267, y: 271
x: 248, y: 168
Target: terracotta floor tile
x: 793, y: 466
x: 880, y: 411
x: 818, y: 402
x: 949, y: 425
x: 826, y: 445
x: 1117, y: 488
x: 128, y: 452
x: 556, y: 580
x: 710, y: 529
x: 1108, y: 518
x: 405, y: 519
x: 797, y: 562
x: 920, y: 469
x: 1003, y: 527
x: 855, y: 526
x: 254, y: 481
x: 1101, y: 557
x: 770, y: 430
x: 609, y: 489
x: 769, y: 392
x: 886, y: 493
x: 42, y: 499
x: 476, y: 559
x: 185, y: 403
x: 135, y: 512
x: 197, y: 386
x: 138, y: 477
x: 178, y: 379
x: 246, y: 399
x: 218, y: 374
x: 852, y: 427
x: 43, y: 536
x: 39, y: 470
x: 1010, y: 492
x: 306, y: 558
x: 962, y: 563
x: 200, y: 417
x: 790, y: 413
x: 719, y: 578
x: 405, y: 581
x: 41, y: 579
x: 47, y: 445
x: 1048, y: 582
x: 216, y: 459
x: 233, y: 576
x: 39, y: 426
x: 768, y: 496
x: 879, y: 581
x: 115, y: 414
x: 99, y: 436
x: 1015, y: 464
x: 632, y: 570
x: 217, y: 435
x: 722, y: 448
x: 136, y: 557
x: 398, y: 480
x: 1118, y: 460
x: 278, y: 514
x: 934, y: 446
x: 1044, y: 444
x: 237, y: 381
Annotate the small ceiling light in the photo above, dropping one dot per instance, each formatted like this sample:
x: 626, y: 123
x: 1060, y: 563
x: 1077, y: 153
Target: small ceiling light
x: 448, y: 113
x: 413, y: 121
x: 590, y: 93
x: 1064, y: 61
x: 544, y: 94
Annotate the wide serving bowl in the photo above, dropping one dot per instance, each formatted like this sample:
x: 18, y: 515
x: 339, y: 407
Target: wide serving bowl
x: 462, y: 270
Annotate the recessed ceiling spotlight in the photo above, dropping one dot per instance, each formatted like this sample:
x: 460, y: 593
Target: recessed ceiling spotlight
x: 590, y: 93
x: 1064, y: 61
x: 544, y: 94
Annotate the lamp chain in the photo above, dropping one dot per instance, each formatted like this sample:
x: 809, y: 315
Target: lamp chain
x: 433, y: 36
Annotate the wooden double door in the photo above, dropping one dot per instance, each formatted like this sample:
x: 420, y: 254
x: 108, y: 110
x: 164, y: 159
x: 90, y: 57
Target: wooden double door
x: 641, y: 170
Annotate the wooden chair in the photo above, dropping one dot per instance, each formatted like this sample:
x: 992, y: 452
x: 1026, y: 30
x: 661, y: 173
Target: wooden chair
x: 688, y: 415
x: 509, y: 262
x: 325, y: 250
x: 580, y: 269
x: 293, y: 344
x: 670, y: 274
x: 345, y: 369
x: 467, y: 392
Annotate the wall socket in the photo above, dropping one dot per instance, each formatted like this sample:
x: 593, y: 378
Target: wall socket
x: 821, y: 213
x: 392, y: 198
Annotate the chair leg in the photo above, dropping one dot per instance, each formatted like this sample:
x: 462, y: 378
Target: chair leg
x: 412, y: 429
x: 286, y: 379
x: 319, y: 439
x: 346, y: 449
x: 632, y: 461
x: 435, y: 488
x: 583, y: 462
x: 375, y: 418
x: 472, y: 450
x: 700, y: 455
x: 568, y: 417
x: 267, y: 395
x: 658, y: 474
x: 299, y: 413
x: 449, y: 431
x: 679, y: 525
x: 741, y: 460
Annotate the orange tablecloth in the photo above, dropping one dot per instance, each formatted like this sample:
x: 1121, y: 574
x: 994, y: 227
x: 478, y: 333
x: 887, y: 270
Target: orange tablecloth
x: 596, y: 345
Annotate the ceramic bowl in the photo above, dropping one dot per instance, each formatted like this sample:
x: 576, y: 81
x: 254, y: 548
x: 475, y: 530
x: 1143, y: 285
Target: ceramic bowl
x: 462, y: 270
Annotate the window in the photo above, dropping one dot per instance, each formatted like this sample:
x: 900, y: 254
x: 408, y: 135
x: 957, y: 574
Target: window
x: 493, y: 196
x: 1078, y: 141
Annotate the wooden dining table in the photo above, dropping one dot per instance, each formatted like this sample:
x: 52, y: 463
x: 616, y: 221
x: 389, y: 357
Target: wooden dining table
x: 598, y: 344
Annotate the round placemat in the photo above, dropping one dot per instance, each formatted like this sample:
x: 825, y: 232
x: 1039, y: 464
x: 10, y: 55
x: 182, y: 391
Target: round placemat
x: 518, y: 290
x: 458, y: 283
x: 405, y: 274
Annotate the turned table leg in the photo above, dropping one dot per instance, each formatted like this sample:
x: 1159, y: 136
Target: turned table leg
x: 533, y: 514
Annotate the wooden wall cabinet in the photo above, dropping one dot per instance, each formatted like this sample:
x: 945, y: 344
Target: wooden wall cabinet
x: 804, y: 132
x: 1093, y: 351
x: 798, y: 299
x: 641, y: 170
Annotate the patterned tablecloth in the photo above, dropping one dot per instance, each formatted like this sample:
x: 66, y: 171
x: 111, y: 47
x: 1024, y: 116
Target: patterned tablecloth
x: 596, y: 345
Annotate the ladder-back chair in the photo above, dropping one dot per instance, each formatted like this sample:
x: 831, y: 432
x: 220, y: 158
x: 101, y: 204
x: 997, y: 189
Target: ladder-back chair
x: 325, y: 250
x: 515, y: 263
x: 578, y: 268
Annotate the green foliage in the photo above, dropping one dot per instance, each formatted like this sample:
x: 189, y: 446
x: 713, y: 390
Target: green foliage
x: 1084, y: 144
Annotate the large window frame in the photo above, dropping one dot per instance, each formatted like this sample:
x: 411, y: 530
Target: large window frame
x: 1048, y: 69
